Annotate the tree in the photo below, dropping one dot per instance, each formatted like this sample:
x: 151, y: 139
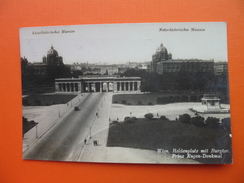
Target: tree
x: 197, y: 121
x: 130, y: 72
x: 226, y: 124
x: 185, y: 118
x: 183, y: 81
x: 148, y: 116
x: 129, y: 120
x: 212, y: 122
x: 163, y: 118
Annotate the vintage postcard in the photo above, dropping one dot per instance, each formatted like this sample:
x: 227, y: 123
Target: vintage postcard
x: 154, y: 93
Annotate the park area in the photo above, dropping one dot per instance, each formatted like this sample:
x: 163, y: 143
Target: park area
x: 47, y: 99
x: 164, y: 130
x: 153, y: 134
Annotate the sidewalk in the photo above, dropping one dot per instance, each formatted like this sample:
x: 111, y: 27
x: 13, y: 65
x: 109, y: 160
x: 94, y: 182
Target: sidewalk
x: 99, y: 132
x: 46, y: 117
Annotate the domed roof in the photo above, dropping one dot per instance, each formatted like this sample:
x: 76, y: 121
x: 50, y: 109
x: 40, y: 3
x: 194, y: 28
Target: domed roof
x: 161, y: 48
x: 52, y: 51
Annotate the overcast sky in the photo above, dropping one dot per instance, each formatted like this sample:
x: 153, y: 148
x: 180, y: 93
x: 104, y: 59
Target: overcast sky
x: 120, y: 43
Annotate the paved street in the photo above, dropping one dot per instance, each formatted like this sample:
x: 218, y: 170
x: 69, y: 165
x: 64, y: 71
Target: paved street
x: 64, y: 141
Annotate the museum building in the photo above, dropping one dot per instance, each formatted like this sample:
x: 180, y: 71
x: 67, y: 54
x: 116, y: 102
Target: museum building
x: 162, y: 62
x: 41, y: 68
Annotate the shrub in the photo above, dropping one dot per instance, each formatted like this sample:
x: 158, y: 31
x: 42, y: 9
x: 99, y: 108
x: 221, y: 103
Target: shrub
x: 171, y: 99
x: 139, y: 102
x: 26, y: 102
x: 184, y: 99
x: 212, y: 122
x: 193, y: 98
x: 226, y: 124
x: 148, y: 116
x: 37, y: 102
x: 177, y: 98
x: 163, y: 100
x: 130, y: 121
x: 149, y: 103
x: 197, y: 121
x: 115, y: 122
x: 24, y: 119
x: 32, y: 122
x: 127, y: 118
x: 133, y: 118
x: 185, y: 118
x: 163, y: 118
x: 115, y: 102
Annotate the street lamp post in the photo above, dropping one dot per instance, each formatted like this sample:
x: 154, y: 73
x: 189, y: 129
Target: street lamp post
x: 36, y: 132
x: 90, y: 132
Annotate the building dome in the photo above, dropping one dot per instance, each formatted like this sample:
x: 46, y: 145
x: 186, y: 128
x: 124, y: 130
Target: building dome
x: 161, y: 54
x: 161, y: 49
x: 52, y: 52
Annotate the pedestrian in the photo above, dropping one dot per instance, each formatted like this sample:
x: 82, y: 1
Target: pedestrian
x: 85, y: 141
x: 94, y: 142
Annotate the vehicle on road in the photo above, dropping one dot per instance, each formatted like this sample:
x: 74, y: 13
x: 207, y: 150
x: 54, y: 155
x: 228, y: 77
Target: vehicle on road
x: 76, y: 109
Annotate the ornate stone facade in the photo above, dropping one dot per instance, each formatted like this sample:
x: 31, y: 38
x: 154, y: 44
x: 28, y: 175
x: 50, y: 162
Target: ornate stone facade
x: 98, y: 84
x: 162, y: 62
x: 52, y: 57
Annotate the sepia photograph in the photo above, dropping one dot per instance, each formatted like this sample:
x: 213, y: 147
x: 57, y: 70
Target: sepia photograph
x: 148, y: 93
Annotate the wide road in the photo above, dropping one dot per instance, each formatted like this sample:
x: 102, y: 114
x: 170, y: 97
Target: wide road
x: 64, y: 141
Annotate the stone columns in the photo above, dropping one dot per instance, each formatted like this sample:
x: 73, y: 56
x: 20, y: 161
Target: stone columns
x: 79, y: 87
x: 115, y: 86
x: 101, y: 86
x: 94, y: 85
x: 60, y: 87
x: 56, y: 87
x: 107, y: 87
x: 118, y: 86
x: 122, y: 86
x: 138, y: 85
x: 63, y: 87
x: 68, y: 87
x: 88, y: 86
x: 72, y: 87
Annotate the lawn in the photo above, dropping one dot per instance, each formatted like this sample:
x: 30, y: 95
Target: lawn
x: 46, y: 100
x: 164, y: 134
x: 27, y: 125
